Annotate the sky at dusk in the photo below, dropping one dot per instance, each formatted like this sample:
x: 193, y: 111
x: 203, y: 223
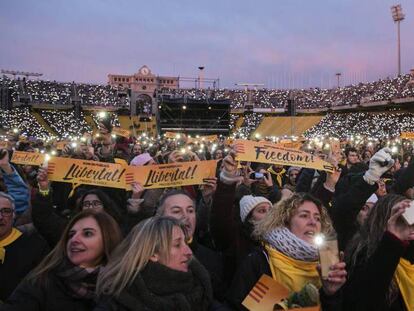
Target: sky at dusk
x: 282, y: 44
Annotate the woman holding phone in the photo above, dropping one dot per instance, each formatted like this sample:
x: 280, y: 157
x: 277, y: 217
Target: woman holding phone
x: 380, y: 259
x: 290, y: 255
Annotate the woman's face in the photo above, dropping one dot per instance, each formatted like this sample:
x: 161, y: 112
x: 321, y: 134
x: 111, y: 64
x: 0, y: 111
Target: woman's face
x: 180, y: 253
x: 85, y: 244
x: 91, y: 201
x: 306, y: 222
x: 260, y: 211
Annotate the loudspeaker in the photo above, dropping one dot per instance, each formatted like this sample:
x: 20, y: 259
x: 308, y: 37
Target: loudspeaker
x: 6, y: 102
x: 291, y: 107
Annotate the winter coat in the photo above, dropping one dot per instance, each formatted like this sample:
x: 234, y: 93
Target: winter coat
x: 250, y: 271
x: 346, y: 206
x: 158, y: 287
x: 51, y: 297
x: 18, y: 190
x: 228, y: 231
x: 368, y: 282
x: 21, y: 257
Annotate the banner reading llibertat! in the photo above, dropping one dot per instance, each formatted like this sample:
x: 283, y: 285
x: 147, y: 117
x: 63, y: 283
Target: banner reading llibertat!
x: 86, y: 172
x: 28, y: 158
x: 265, y: 152
x: 171, y: 175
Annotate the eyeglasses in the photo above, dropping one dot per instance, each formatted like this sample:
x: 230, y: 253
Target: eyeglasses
x: 6, y: 212
x: 92, y: 204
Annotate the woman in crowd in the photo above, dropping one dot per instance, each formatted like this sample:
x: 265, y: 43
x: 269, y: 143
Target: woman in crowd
x: 289, y: 254
x: 66, y: 278
x: 153, y: 269
x: 380, y: 260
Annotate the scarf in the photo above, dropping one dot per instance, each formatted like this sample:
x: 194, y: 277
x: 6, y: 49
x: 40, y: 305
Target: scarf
x: 13, y: 236
x: 158, y: 287
x: 80, y: 282
x: 279, y: 175
x: 283, y: 240
x: 404, y: 275
x: 293, y: 274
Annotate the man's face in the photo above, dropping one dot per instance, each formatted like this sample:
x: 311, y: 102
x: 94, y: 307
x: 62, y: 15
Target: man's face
x: 352, y: 157
x: 181, y: 207
x: 6, y: 218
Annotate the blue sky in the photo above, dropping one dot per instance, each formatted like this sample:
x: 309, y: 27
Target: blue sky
x: 292, y: 43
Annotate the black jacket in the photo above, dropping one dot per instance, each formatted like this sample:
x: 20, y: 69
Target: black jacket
x: 250, y: 271
x: 54, y: 297
x: 159, y: 288
x: 368, y: 282
x: 21, y: 257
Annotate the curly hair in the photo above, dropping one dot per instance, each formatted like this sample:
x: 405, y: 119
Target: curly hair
x: 282, y: 212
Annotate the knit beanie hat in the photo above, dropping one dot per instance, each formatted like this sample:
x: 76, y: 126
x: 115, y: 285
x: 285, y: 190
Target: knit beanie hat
x: 141, y: 159
x: 248, y: 203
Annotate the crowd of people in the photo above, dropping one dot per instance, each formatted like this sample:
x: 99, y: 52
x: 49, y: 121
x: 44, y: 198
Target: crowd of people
x: 379, y: 125
x: 61, y: 93
x: 67, y: 246
x: 65, y: 124
x: 52, y: 92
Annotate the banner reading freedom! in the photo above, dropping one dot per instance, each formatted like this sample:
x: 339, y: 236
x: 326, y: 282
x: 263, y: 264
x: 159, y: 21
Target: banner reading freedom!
x: 266, y: 152
x: 171, y: 175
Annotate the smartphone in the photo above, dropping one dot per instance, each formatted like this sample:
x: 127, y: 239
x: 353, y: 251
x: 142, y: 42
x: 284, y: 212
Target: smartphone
x: 409, y: 214
x: 328, y: 256
x: 256, y: 176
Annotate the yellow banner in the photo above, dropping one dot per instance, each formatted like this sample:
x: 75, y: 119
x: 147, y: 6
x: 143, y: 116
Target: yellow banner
x: 86, y: 172
x: 171, y: 175
x: 60, y: 145
x: 121, y: 132
x: 27, y: 158
x: 291, y: 145
x: 171, y: 135
x: 265, y: 152
x: 407, y: 135
x: 266, y: 293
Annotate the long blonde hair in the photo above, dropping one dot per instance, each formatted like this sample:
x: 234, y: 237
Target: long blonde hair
x: 149, y: 237
x: 281, y: 214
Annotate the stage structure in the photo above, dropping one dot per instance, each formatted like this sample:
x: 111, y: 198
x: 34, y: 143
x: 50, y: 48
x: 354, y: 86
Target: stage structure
x: 204, y: 116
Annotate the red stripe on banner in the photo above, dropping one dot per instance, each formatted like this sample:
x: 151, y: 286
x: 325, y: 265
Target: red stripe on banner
x: 260, y: 289
x: 255, y: 298
x: 257, y: 293
x: 260, y: 283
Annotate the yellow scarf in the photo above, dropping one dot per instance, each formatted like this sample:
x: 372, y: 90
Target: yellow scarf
x: 404, y: 275
x: 292, y: 273
x: 13, y: 236
x: 278, y: 175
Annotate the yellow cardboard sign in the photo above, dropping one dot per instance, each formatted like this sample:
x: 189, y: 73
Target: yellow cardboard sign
x: 171, y: 135
x: 407, y: 135
x: 27, y: 158
x: 266, y: 293
x: 121, y: 132
x: 265, y: 152
x: 291, y: 145
x: 171, y: 175
x: 60, y: 145
x: 86, y: 172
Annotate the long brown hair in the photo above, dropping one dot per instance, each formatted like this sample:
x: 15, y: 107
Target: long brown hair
x: 366, y: 241
x: 111, y: 237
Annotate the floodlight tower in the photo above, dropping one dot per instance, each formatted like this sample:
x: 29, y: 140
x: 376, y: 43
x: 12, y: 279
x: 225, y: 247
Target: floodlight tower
x: 398, y: 16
